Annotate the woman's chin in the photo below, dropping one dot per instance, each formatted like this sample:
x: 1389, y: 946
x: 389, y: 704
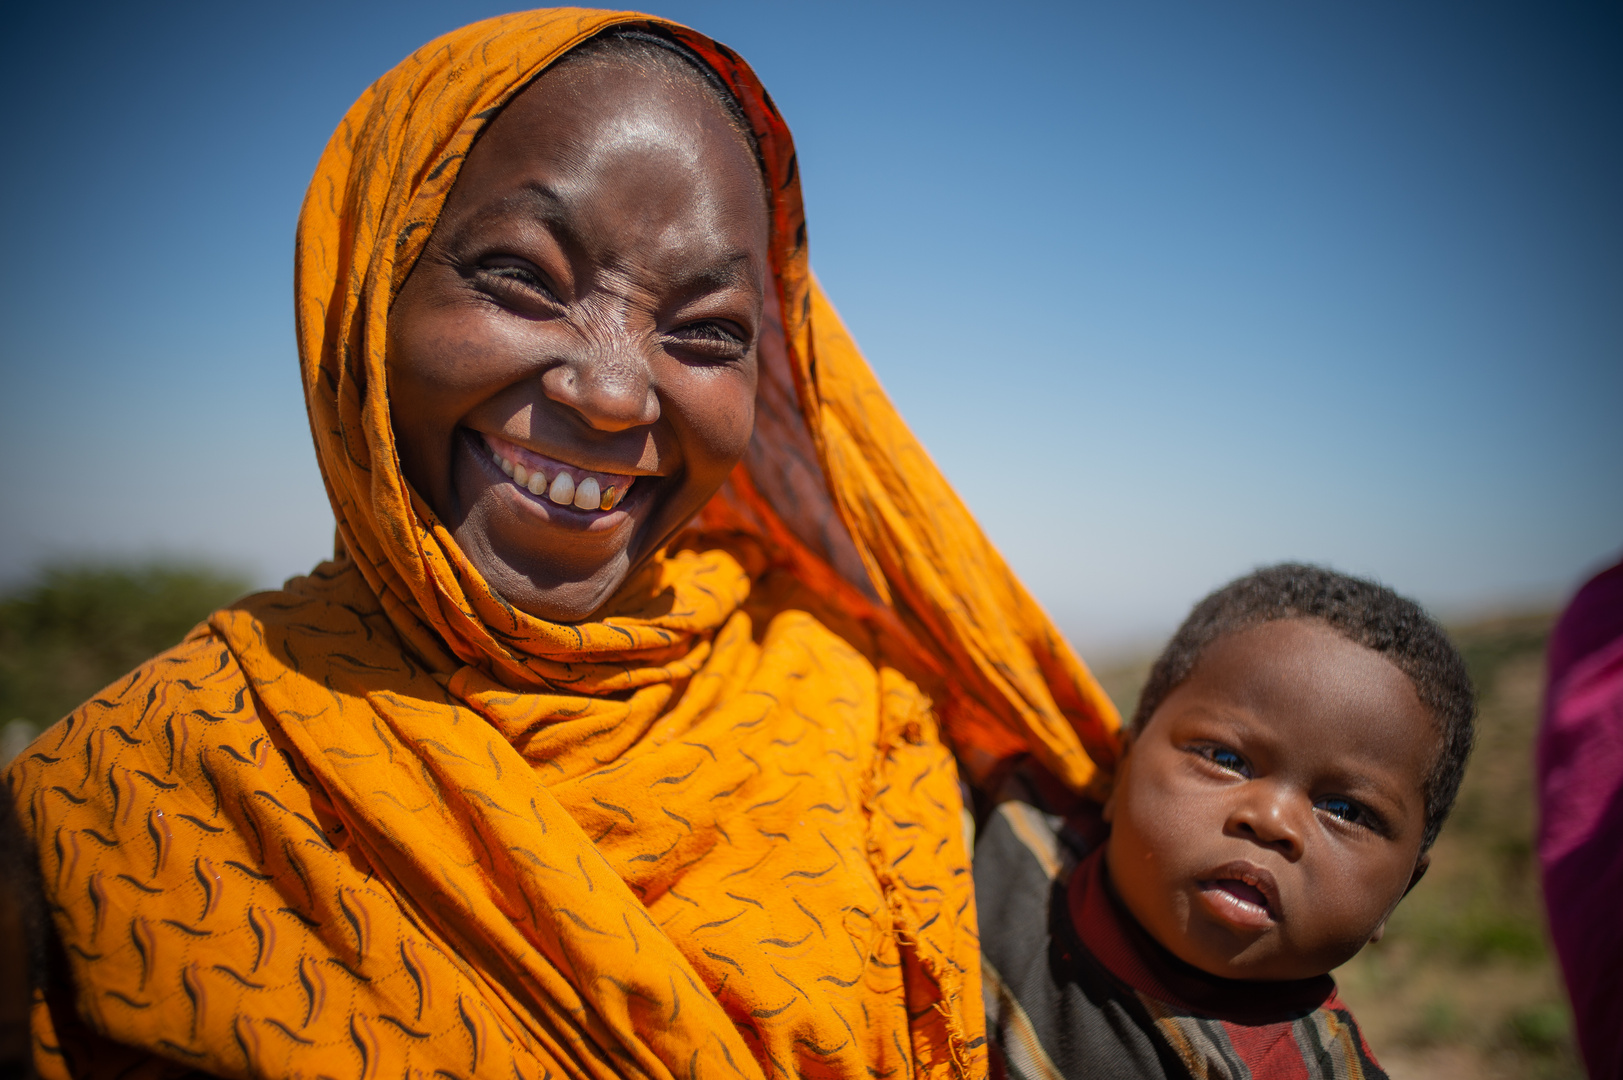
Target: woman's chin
x: 557, y: 561
x: 536, y: 587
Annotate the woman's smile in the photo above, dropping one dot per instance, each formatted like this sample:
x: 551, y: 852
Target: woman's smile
x: 552, y: 484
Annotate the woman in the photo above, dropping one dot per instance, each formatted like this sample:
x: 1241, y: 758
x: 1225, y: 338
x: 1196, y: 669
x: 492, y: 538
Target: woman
x: 615, y: 739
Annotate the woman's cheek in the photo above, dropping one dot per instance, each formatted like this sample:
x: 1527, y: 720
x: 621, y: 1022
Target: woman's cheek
x: 722, y: 417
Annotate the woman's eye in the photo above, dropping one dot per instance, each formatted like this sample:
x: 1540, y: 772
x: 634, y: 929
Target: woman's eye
x: 509, y: 275
x: 721, y: 340
x: 1226, y: 759
x: 514, y: 273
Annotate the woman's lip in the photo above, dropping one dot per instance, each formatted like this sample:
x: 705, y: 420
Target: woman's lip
x: 555, y: 483
x: 532, y: 460
x: 484, y: 448
x: 1242, y: 893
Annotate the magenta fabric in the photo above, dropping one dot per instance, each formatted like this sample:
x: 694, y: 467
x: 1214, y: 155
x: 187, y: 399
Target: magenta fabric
x: 1580, y: 843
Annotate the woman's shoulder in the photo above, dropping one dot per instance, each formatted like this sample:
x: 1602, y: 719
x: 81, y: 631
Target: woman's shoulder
x: 138, y: 731
x: 193, y: 694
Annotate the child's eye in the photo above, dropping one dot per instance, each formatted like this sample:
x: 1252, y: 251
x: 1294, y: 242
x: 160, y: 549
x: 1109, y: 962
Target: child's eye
x: 1225, y: 759
x: 1346, y: 810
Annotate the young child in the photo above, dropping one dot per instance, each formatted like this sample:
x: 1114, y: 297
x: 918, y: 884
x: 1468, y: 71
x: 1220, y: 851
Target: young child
x: 1295, y: 752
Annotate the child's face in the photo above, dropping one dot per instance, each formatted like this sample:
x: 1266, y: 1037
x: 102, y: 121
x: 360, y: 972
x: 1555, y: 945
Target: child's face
x: 1269, y: 815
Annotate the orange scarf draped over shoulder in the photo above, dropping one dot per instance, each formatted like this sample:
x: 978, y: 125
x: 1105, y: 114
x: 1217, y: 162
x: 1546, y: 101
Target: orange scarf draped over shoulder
x: 381, y: 824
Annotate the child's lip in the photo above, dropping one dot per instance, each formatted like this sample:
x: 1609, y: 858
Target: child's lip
x: 1242, y: 892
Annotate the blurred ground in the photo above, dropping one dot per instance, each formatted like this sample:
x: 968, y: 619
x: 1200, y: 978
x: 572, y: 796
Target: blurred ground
x: 1464, y: 985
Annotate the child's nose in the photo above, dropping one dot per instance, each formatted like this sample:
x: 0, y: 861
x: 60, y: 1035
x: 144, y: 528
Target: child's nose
x: 1268, y: 815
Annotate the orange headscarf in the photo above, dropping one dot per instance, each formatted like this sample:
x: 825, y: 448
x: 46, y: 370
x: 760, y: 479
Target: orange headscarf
x: 380, y: 823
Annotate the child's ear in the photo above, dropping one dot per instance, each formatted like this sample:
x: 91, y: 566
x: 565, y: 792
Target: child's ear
x: 1420, y: 867
x: 1108, y: 813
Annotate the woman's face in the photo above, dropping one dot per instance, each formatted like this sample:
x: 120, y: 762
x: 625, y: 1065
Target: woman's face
x: 572, y: 360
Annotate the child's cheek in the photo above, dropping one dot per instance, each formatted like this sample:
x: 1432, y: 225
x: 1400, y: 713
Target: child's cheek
x: 1167, y: 821
x: 1133, y: 853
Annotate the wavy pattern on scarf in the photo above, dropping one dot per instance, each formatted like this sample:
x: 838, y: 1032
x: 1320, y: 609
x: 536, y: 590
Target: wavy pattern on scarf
x: 380, y: 823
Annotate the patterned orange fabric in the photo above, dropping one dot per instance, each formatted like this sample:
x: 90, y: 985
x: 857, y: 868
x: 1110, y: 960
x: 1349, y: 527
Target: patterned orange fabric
x: 380, y: 824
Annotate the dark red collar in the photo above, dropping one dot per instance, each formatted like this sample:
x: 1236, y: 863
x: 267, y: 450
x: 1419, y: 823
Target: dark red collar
x: 1116, y: 940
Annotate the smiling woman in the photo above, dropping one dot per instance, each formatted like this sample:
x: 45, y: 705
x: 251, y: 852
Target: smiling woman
x: 623, y: 734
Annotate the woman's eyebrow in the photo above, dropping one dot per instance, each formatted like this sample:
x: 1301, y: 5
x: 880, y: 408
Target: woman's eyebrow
x: 532, y: 201
x: 544, y: 199
x: 727, y: 270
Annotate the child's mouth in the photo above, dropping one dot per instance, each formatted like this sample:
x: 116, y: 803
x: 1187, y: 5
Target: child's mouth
x: 1244, y: 891
x: 1241, y: 893
x: 555, y: 481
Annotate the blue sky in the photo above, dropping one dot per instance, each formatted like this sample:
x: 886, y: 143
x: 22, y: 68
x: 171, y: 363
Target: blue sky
x: 1169, y: 289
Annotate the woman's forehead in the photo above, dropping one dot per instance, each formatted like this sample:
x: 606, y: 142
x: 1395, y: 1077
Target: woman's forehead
x: 611, y: 103
x: 609, y: 123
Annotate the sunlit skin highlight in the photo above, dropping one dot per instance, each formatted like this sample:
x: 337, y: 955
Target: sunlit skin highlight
x: 592, y: 293
x: 1269, y: 815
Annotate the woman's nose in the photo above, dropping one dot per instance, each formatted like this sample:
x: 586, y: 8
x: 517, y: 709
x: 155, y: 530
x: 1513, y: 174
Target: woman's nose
x: 611, y: 388
x: 1268, y: 815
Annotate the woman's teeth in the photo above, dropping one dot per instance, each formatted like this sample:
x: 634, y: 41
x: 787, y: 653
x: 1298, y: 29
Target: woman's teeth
x: 586, y: 495
x: 562, y: 490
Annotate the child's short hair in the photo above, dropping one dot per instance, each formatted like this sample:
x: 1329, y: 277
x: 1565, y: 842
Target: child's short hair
x: 1361, y: 611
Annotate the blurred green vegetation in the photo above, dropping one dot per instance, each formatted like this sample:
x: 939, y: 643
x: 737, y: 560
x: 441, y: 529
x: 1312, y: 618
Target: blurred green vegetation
x: 75, y: 627
x: 1464, y: 984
